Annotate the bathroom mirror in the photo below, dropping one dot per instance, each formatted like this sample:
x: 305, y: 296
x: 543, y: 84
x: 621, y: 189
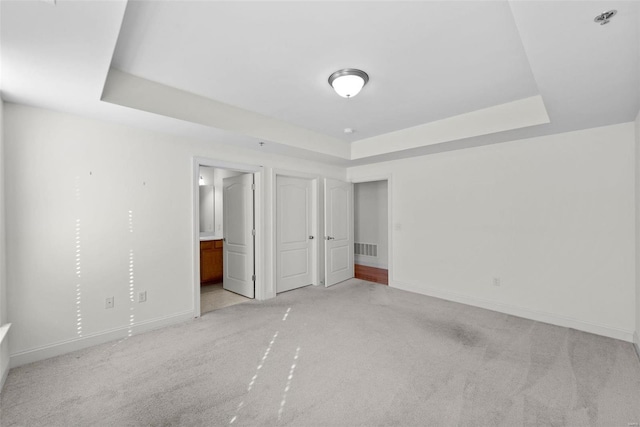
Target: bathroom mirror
x: 207, y: 205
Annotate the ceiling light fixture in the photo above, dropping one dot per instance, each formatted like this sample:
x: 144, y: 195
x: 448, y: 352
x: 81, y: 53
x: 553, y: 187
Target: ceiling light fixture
x: 605, y: 17
x: 348, y: 82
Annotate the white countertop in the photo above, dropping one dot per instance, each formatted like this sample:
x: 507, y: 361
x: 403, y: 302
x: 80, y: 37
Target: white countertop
x: 205, y: 237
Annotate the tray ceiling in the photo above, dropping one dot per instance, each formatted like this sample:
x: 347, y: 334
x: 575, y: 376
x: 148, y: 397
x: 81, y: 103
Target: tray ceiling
x: 444, y: 75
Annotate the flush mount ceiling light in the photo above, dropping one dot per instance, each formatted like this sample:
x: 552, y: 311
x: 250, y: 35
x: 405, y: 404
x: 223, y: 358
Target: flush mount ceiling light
x: 348, y: 82
x: 604, y: 17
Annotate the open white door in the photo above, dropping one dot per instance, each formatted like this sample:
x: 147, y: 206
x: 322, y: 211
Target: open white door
x: 294, y: 233
x: 338, y: 226
x: 237, y: 204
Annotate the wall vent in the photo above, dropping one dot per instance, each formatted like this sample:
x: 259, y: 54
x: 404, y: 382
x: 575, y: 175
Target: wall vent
x: 366, y: 249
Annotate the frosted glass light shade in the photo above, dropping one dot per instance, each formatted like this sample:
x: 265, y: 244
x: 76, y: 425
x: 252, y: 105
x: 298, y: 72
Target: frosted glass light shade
x: 348, y: 86
x: 348, y: 82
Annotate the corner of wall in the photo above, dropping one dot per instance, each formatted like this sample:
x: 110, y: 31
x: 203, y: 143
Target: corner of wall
x: 637, y: 224
x: 3, y: 263
x: 4, y: 326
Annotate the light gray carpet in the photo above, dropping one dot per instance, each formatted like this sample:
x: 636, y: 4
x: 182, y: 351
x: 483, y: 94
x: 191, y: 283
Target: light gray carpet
x: 356, y: 354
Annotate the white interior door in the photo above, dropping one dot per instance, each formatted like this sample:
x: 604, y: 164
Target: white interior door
x: 237, y: 205
x: 338, y: 226
x: 294, y: 233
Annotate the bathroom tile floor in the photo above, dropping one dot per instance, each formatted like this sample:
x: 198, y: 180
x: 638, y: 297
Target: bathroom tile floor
x: 213, y: 297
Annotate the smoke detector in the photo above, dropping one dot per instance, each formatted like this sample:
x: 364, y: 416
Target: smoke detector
x: 605, y: 17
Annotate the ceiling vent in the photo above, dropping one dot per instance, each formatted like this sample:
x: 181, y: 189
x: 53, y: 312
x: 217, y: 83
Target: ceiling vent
x: 604, y: 17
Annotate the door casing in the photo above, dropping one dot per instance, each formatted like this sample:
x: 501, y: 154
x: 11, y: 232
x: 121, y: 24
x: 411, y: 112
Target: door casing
x: 389, y: 179
x: 258, y: 173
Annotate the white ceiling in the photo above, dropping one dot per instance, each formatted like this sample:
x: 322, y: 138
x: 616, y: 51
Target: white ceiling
x: 443, y: 74
x: 274, y: 58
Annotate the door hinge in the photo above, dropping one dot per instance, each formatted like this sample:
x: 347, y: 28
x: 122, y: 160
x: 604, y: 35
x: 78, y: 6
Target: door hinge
x: 253, y: 232
x: 253, y: 278
x: 253, y: 187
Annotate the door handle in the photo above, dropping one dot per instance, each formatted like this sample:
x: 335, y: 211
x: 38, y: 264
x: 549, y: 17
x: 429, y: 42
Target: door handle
x: 311, y: 237
x: 330, y: 238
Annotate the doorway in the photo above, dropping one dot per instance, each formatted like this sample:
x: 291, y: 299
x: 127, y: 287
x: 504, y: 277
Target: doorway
x: 371, y: 231
x: 225, y: 209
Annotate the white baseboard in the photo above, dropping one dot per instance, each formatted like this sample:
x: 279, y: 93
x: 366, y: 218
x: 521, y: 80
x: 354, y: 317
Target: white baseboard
x: 67, y: 346
x: 636, y: 344
x: 526, y: 313
x: 5, y: 374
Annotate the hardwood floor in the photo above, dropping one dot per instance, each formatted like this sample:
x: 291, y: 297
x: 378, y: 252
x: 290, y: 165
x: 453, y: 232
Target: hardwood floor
x: 372, y: 274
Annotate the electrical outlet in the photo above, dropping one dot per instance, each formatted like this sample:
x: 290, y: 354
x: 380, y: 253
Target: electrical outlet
x: 496, y: 281
x: 108, y: 303
x: 142, y: 296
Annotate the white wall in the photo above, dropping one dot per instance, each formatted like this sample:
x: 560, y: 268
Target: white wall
x: 551, y: 217
x: 106, y: 190
x: 371, y: 220
x: 637, y: 212
x: 3, y: 276
x: 4, y: 340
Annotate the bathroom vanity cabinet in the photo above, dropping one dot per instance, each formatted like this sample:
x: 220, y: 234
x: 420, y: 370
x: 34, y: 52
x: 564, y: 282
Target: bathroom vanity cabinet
x: 211, y: 261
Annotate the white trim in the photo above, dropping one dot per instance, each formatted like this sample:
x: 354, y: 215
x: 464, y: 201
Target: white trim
x: 4, y: 349
x: 74, y: 344
x: 513, y: 310
x: 260, y: 290
x: 4, y: 331
x: 636, y: 344
x: 5, y: 374
x: 315, y: 222
x: 268, y: 258
x: 257, y: 171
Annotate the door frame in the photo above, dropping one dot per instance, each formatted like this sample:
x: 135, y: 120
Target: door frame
x: 316, y: 277
x: 389, y: 179
x: 258, y: 173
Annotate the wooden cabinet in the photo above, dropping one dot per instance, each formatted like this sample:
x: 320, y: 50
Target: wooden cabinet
x: 211, y: 261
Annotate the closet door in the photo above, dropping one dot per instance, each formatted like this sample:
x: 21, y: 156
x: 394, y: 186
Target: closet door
x: 294, y: 234
x: 338, y: 225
